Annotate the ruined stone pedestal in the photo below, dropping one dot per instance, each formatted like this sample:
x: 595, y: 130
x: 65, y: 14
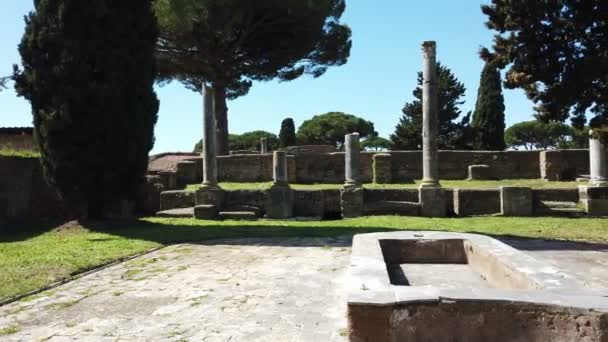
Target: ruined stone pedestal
x: 210, y: 195
x: 382, y: 168
x: 279, y: 202
x: 433, y: 201
x: 351, y: 201
x: 594, y: 199
x: 516, y: 201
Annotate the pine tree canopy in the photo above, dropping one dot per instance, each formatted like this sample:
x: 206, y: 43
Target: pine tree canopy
x: 556, y: 51
x: 231, y: 43
x: 489, y: 115
x: 88, y: 72
x: 452, y: 134
x: 330, y: 129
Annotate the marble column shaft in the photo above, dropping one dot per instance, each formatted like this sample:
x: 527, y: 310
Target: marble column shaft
x: 209, y: 138
x: 598, y: 160
x: 352, y: 160
x: 429, y: 116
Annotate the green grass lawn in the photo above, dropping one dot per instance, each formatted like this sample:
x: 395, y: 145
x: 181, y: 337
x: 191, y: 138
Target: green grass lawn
x: 8, y: 152
x: 533, y: 183
x: 40, y: 254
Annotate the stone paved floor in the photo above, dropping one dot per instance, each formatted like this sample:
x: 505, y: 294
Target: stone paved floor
x: 234, y: 290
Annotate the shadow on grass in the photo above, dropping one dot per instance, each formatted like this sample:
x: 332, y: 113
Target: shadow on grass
x: 172, y: 233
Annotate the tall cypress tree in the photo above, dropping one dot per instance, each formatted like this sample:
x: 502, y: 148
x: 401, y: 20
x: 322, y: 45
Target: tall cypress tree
x: 287, y: 136
x: 453, y: 133
x: 88, y: 72
x: 489, y: 115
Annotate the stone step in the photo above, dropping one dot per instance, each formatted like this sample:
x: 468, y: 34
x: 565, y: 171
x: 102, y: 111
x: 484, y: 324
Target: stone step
x: 561, y: 209
x: 238, y: 215
x: 392, y: 208
x: 244, y: 207
x: 558, y: 204
x: 177, y: 213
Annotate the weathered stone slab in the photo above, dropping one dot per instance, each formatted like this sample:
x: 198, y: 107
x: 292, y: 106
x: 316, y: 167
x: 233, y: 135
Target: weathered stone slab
x: 177, y: 213
x: 516, y: 201
x: 238, y: 215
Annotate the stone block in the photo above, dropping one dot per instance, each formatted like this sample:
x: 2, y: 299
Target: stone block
x: 210, y: 195
x: 471, y: 202
x: 168, y: 179
x: 382, y: 168
x: 309, y: 203
x: 205, y: 212
x: 279, y: 202
x: 480, y: 172
x: 516, y: 201
x: 148, y: 196
x: 351, y: 201
x: 186, y: 173
x: 176, y: 199
x: 433, y: 201
x: 594, y: 199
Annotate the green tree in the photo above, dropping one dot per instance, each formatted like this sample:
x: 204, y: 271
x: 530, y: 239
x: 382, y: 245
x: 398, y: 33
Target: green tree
x: 538, y: 135
x: 330, y: 129
x: 489, y: 115
x: 375, y: 143
x: 452, y: 134
x: 88, y: 72
x: 287, y: 136
x: 556, y: 51
x: 3, y: 82
x: 247, y: 141
x: 231, y: 43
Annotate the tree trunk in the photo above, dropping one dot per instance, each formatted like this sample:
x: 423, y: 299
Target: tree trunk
x: 221, y: 119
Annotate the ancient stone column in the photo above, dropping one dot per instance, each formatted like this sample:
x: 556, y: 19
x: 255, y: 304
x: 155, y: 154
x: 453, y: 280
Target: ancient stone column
x: 429, y: 116
x: 209, y: 137
x: 263, y: 145
x: 279, y: 164
x: 598, y: 160
x: 351, y: 159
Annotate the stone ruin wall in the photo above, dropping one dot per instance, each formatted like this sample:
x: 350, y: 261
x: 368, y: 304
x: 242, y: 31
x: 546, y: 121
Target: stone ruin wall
x: 20, y: 139
x: 397, y: 167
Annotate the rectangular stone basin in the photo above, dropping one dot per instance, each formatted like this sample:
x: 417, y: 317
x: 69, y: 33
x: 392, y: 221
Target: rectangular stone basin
x: 403, y: 286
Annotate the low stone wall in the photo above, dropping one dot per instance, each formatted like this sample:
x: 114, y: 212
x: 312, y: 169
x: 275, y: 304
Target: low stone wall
x: 389, y: 167
x: 18, y: 138
x: 563, y: 164
x: 23, y: 192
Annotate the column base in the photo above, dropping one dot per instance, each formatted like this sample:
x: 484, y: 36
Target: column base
x: 433, y: 201
x: 279, y: 202
x: 210, y: 195
x: 351, y: 202
x: 594, y: 199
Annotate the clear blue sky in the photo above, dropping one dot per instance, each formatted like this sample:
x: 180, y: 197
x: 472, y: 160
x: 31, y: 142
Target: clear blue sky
x: 376, y: 82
